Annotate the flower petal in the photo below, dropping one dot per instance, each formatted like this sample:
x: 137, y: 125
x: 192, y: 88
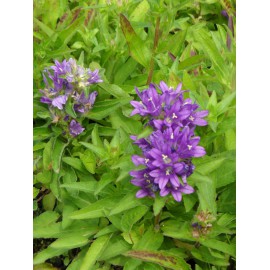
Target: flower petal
x: 141, y: 193
x: 177, y: 195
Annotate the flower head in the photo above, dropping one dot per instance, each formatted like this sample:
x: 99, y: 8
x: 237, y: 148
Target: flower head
x: 168, y: 151
x: 66, y: 85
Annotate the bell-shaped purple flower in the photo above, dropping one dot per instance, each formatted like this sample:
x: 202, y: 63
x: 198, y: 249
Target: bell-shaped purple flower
x: 143, y: 180
x: 61, y: 68
x: 93, y: 76
x: 75, y: 128
x: 176, y: 191
x: 84, y: 104
x: 59, y: 102
x: 150, y: 104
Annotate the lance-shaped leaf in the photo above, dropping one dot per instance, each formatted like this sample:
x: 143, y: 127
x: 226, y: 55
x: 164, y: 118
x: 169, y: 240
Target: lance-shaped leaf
x: 96, y: 209
x: 137, y: 47
x: 162, y: 258
x: 94, y: 252
x: 70, y: 242
x: 58, y: 150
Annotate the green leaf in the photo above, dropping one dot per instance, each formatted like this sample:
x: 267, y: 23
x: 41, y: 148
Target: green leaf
x: 116, y: 246
x: 67, y: 210
x: 95, y: 137
x: 77, y: 261
x: 81, y: 186
x: 46, y: 254
x: 38, y: 146
x: 104, y: 108
x: 177, y: 230
x: 70, y: 177
x: 221, y: 246
x: 227, y: 200
x: 100, y: 151
x: 35, y: 192
x: 48, y: 201
x: 162, y: 258
x: 191, y: 62
x: 188, y: 82
x: 230, y: 140
x: 96, y: 209
x: 105, y: 179
x: 132, y: 264
x: 127, y: 202
x: 47, y: 30
x: 173, y: 43
x: 109, y: 229
x: 75, y: 163
x: 57, y: 153
x: 125, y: 71
x: 114, y: 90
x: 46, y: 218
x: 158, y: 204
x: 151, y: 240
x: 88, y: 159
x: 137, y: 47
x: 94, y: 252
x: 70, y: 242
x: 145, y: 133
x: 69, y: 109
x: 140, y: 11
x: 212, y: 107
x: 47, y: 154
x: 223, y: 105
x: 129, y: 125
x: 71, y: 30
x: 212, y: 51
x: 41, y: 133
x: 189, y: 201
x: 207, y: 195
x: 132, y: 216
x: 54, y: 185
x: 209, y: 166
x: 49, y: 231
x: 205, y: 256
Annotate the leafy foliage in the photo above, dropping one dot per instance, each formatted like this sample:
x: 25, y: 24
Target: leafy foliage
x: 85, y: 208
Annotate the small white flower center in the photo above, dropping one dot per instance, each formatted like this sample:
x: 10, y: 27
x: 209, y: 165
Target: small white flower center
x: 150, y: 99
x: 191, y: 118
x: 145, y: 175
x: 148, y: 181
x: 172, y: 136
x: 168, y: 119
x: 168, y: 170
x: 189, y: 147
x: 146, y: 160
x: 174, y: 116
x: 166, y: 159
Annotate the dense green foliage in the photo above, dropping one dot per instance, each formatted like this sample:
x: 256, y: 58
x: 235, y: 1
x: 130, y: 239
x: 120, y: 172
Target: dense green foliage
x: 85, y: 209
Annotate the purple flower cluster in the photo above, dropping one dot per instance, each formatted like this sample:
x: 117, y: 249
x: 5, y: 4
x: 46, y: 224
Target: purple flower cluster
x: 168, y: 151
x: 67, y: 83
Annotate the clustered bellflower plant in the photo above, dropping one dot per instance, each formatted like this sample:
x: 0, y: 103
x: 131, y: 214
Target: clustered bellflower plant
x: 168, y: 151
x: 67, y: 94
